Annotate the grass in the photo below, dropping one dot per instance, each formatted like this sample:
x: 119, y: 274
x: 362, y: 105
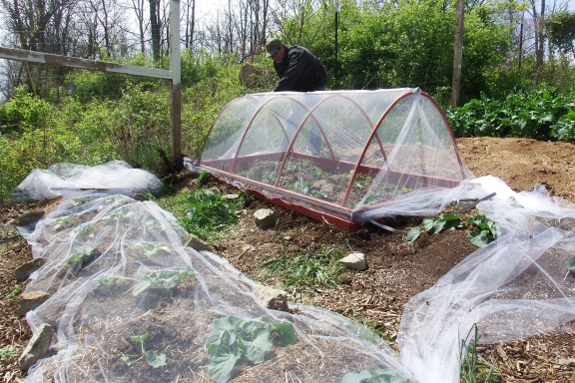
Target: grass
x: 306, y: 270
x: 474, y: 368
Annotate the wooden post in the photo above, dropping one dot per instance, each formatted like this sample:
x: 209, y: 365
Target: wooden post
x: 176, y: 89
x: 457, y: 54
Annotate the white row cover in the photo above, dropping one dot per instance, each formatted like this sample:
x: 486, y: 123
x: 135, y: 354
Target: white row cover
x: 129, y: 302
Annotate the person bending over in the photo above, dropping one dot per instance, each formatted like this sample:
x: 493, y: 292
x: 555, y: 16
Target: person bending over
x: 299, y: 71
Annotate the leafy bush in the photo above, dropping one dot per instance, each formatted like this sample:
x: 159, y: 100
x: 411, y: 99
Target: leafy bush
x: 23, y: 112
x: 542, y: 114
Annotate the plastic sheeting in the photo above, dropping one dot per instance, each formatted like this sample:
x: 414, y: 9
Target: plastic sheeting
x: 129, y: 302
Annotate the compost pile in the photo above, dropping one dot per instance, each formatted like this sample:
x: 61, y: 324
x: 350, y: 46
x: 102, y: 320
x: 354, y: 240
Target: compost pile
x: 129, y: 301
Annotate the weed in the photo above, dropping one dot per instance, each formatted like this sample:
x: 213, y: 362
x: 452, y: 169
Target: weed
x: 17, y: 290
x: 7, y: 353
x: 233, y: 338
x: 152, y: 359
x: 209, y: 213
x: 321, y: 269
x: 204, y: 177
x: 470, y: 368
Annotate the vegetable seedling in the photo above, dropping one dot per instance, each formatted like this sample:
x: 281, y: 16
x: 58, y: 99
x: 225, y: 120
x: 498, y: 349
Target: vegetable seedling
x: 165, y: 280
x: 150, y: 248
x: 233, y: 338
x: 487, y: 230
x: 152, y: 359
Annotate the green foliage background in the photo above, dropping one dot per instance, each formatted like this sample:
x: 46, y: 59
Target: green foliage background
x: 381, y: 45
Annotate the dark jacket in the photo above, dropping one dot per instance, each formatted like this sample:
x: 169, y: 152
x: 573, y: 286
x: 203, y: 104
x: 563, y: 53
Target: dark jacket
x: 300, y: 71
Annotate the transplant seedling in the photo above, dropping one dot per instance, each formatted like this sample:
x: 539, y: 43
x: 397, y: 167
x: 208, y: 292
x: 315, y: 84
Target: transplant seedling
x: 435, y: 226
x: 487, y: 230
x: 165, y: 280
x: 81, y: 201
x: 233, y: 338
x: 150, y: 248
x: 570, y: 267
x: 152, y: 359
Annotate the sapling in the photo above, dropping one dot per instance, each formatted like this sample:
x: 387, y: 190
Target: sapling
x: 152, y: 359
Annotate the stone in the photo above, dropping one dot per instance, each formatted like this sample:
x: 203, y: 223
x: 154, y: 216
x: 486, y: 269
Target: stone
x: 23, y: 271
x: 354, y: 261
x: 265, y: 218
x: 37, y: 347
x: 29, y: 218
x: 140, y: 197
x: 230, y: 197
x: 197, y: 243
x: 272, y: 298
x: 30, y: 301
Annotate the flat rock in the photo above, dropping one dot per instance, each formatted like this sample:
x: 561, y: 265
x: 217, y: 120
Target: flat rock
x: 23, y: 271
x: 197, y: 243
x: 140, y: 197
x: 265, y: 218
x: 31, y: 217
x: 37, y: 347
x: 354, y: 261
x: 31, y: 300
x: 272, y: 298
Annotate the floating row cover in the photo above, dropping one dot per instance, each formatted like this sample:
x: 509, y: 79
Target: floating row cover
x: 339, y: 156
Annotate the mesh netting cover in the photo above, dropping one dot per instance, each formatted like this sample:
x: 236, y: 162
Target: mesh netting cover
x: 343, y: 156
x: 130, y: 302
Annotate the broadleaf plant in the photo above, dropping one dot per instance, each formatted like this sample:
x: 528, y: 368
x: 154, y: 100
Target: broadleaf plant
x: 232, y: 339
x: 164, y: 279
x: 153, y: 359
x: 487, y: 230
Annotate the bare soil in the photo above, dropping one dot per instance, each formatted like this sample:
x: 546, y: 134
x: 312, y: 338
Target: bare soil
x: 397, y: 270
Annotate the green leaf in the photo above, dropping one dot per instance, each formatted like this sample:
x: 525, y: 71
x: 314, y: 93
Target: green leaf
x: 413, y: 234
x: 479, y: 239
x: 221, y: 325
x: 571, y: 264
x: 255, y: 350
x: 156, y: 360
x: 140, y: 338
x: 428, y: 223
x: 286, y: 333
x: 142, y: 285
x: 437, y: 227
x: 449, y: 217
x: 222, y: 362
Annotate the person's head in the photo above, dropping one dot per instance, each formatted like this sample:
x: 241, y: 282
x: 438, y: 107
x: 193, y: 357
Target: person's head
x: 275, y: 49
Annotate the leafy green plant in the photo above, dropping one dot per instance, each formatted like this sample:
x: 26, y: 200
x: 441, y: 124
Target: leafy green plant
x: 150, y: 248
x: 375, y: 375
x: 471, y: 370
x: 8, y: 352
x: 209, y: 213
x: 570, y: 266
x: 233, y: 339
x: 320, y: 269
x: 164, y: 280
x: 435, y: 225
x: 17, y: 290
x: 81, y: 201
x: 487, y: 230
x: 153, y: 359
x: 67, y: 221
x: 82, y: 231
